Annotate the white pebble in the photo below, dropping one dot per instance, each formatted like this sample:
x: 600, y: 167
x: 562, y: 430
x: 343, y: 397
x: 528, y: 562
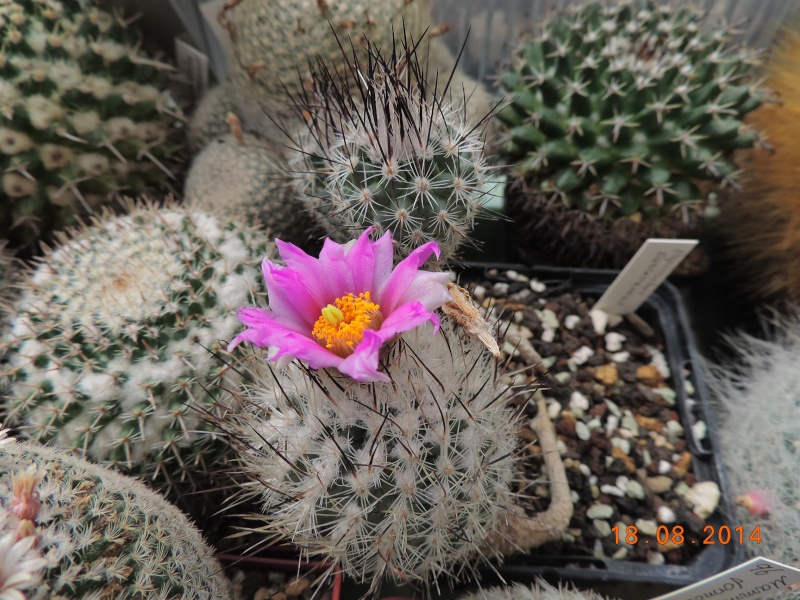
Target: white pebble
x: 595, y: 423
x: 514, y: 276
x: 582, y: 431
x: 518, y: 316
x: 634, y: 489
x: 703, y: 498
x: 612, y: 423
x: 664, y: 467
x: 621, y: 357
x: 578, y: 402
x: 614, y: 341
x: 622, y: 444
x: 548, y: 362
x: 510, y: 349
x: 548, y: 318
x: 571, y: 321
x: 674, y: 430
x: 668, y: 394
x: 612, y: 406
x: 599, y: 511
x: 537, y: 286
x: 646, y: 527
x: 602, y: 528
x: 479, y: 293
x: 699, y: 430
x: 655, y: 558
x: 688, y: 387
x: 576, y: 497
x: 553, y: 410
x: 658, y: 360
x: 622, y: 482
x: 593, y: 480
x: 582, y: 354
x: 612, y: 491
x: 587, y: 472
x: 665, y: 514
x: 563, y: 377
x: 548, y: 335
x: 500, y: 289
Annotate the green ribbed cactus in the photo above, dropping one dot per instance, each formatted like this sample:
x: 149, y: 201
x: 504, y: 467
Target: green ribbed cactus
x: 210, y: 119
x: 540, y: 591
x: 399, y: 157
x: 110, y: 346
x: 84, y: 115
x: 630, y: 109
x: 246, y: 179
x: 100, y: 534
x: 404, y: 480
x: 273, y: 40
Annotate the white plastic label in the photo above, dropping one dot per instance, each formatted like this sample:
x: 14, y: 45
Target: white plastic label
x: 194, y: 65
x: 756, y: 579
x: 648, y: 268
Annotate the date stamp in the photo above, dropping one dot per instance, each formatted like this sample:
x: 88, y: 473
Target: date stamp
x: 675, y: 535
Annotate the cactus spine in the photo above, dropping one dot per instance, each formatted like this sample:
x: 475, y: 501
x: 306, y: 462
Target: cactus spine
x: 112, y: 338
x: 101, y: 534
x: 403, y: 480
x: 84, y: 115
x: 541, y: 590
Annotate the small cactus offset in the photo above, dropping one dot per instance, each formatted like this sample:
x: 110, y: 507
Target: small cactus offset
x: 541, y: 590
x: 626, y: 110
x: 273, y: 40
x: 404, y: 480
x: 109, y: 351
x: 398, y: 157
x: 91, y: 533
x: 210, y: 119
x: 84, y: 115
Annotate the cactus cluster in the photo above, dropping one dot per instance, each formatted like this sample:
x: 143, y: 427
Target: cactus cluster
x: 631, y: 109
x: 110, y: 349
x: 403, y: 480
x: 273, y: 40
x: 97, y: 534
x: 541, y: 590
x: 399, y: 156
x: 84, y: 114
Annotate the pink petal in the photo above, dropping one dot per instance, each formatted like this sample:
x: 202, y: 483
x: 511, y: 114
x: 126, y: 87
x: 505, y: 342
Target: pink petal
x: 389, y: 295
x: 429, y: 288
x: 324, y: 280
x: 362, y: 365
x: 289, y: 296
x: 383, y: 251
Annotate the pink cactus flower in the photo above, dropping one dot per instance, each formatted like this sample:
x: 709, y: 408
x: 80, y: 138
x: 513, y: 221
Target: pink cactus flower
x: 340, y: 309
x: 756, y: 503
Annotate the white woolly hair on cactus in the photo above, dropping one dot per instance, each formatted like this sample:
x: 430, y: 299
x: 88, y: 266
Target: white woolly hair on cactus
x: 758, y: 397
x: 108, y: 347
x: 541, y: 590
x: 405, y: 480
x: 400, y: 155
x: 20, y: 564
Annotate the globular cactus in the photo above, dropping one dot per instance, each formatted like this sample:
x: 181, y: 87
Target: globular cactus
x: 99, y: 534
x: 245, y: 178
x: 629, y: 111
x: 405, y: 480
x: 210, y: 119
x: 399, y: 157
x: 541, y: 590
x: 758, y: 391
x: 109, y: 351
x: 273, y: 40
x: 20, y: 564
x: 85, y: 115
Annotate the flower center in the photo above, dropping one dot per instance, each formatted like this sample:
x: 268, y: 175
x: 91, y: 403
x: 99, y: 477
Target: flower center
x: 341, y: 325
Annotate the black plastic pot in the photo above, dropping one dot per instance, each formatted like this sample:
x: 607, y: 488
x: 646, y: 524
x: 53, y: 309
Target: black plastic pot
x: 627, y: 579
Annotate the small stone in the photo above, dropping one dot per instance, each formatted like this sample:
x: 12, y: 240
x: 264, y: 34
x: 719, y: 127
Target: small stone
x: 614, y: 341
x: 699, y: 430
x: 513, y: 275
x: 621, y: 553
x: 608, y: 374
x: 548, y: 318
x: 612, y: 423
x: 621, y: 482
x: 576, y: 498
x: 500, y: 289
x: 621, y: 357
x: 703, y: 498
x: 548, y: 335
x: 655, y: 558
x: 659, y: 485
x: 649, y: 375
x: 630, y: 465
x: 571, y: 321
x: 578, y: 403
x: 564, y: 377
x: 612, y: 491
x: 537, y: 286
x: 659, y: 361
x: 681, y: 489
x: 651, y: 423
x: 614, y: 409
x: 668, y: 394
x: 647, y: 527
x: 599, y: 512
x: 674, y: 430
x: 548, y: 362
x: 479, y: 292
x: 587, y: 472
x: 297, y: 587
x: 688, y: 387
x: 553, y: 410
x: 665, y: 514
x: 510, y: 349
x: 629, y: 422
x: 595, y: 491
x: 581, y: 355
x: 594, y: 424
x: 582, y: 431
x: 664, y: 467
x: 622, y: 444
x: 602, y: 528
x: 634, y: 489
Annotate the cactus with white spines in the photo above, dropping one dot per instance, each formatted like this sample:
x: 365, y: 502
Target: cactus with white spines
x: 630, y: 109
x: 399, y: 156
x: 404, y: 480
x: 109, y: 351
x: 84, y: 115
x: 541, y: 590
x: 210, y: 120
x: 273, y: 40
x: 99, y: 534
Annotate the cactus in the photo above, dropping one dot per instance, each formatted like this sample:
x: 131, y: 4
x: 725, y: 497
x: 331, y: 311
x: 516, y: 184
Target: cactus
x: 85, y: 115
x: 540, y: 591
x: 625, y: 112
x: 762, y: 224
x: 111, y: 342
x: 99, y: 533
x: 401, y: 158
x: 758, y: 391
x: 272, y: 40
x: 405, y: 479
x: 210, y: 119
x: 245, y: 178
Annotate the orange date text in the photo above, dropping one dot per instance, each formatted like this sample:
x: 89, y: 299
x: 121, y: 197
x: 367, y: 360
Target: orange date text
x: 675, y: 535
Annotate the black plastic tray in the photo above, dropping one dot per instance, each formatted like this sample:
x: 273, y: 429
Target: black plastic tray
x: 666, y: 309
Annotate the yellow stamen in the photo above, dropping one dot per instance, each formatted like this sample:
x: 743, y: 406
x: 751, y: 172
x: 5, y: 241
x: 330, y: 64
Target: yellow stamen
x: 341, y: 326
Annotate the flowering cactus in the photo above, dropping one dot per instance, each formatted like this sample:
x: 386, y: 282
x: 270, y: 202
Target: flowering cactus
x: 339, y: 310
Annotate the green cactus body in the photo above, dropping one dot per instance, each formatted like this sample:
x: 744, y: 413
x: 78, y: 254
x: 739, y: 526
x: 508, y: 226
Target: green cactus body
x: 111, y: 342
x: 628, y: 108
x: 101, y: 534
x: 83, y: 115
x: 403, y: 480
x: 402, y: 158
x: 273, y: 40
x: 246, y: 179
x: 210, y: 119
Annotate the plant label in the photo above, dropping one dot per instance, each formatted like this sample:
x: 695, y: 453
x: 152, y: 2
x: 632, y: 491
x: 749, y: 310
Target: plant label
x: 648, y: 268
x: 757, y: 579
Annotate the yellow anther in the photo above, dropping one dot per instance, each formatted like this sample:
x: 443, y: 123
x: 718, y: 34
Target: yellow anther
x: 341, y: 325
x: 332, y: 314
